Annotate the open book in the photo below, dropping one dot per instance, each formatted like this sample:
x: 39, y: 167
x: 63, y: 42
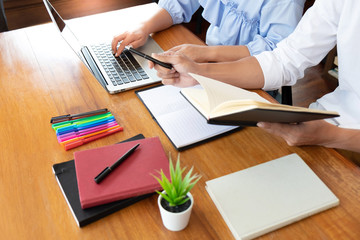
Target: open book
x: 181, y: 122
x: 221, y: 103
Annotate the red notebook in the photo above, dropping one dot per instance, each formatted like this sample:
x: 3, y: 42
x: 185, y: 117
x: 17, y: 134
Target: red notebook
x: 133, y: 177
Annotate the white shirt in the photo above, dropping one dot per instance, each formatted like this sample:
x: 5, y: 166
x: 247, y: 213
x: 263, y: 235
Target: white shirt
x: 326, y: 24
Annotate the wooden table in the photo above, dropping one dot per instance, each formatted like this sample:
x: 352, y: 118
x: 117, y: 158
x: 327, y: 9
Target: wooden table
x: 41, y: 77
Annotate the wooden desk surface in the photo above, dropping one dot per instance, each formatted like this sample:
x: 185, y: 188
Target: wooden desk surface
x: 41, y: 77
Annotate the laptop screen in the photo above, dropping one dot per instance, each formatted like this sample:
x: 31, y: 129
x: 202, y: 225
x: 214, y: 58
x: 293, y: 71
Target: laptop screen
x: 65, y: 31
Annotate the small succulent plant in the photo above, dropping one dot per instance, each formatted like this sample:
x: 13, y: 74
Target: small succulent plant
x: 177, y: 187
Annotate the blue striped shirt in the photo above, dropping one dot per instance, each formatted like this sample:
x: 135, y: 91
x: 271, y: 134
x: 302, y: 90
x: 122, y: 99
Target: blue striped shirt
x: 258, y: 24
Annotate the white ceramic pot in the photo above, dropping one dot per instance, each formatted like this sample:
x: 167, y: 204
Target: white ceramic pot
x: 176, y: 221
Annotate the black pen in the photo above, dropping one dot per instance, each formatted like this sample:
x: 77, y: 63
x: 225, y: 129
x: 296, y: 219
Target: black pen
x: 165, y: 65
x: 108, y: 170
x: 68, y: 117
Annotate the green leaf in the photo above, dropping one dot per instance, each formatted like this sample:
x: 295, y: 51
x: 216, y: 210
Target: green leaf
x: 177, y: 187
x: 166, y: 198
x: 183, y: 201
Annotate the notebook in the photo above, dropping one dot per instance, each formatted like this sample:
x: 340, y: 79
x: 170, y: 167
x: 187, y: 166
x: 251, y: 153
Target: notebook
x: 268, y: 196
x: 66, y: 177
x: 222, y: 103
x: 181, y: 122
x: 115, y: 74
x: 133, y: 177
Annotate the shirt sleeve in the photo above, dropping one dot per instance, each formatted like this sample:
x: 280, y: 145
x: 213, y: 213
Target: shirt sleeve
x: 312, y: 39
x: 277, y: 20
x: 180, y: 10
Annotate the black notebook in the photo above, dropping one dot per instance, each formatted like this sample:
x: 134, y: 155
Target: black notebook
x: 66, y: 177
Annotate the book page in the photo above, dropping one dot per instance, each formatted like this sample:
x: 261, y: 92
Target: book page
x: 180, y: 121
x: 199, y: 99
x: 219, y: 92
x: 221, y: 103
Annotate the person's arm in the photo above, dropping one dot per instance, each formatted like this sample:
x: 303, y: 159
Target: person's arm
x: 318, y: 132
x: 244, y: 73
x: 306, y: 46
x: 170, y: 12
x: 136, y: 38
x: 277, y: 21
x: 202, y: 54
x: 312, y: 39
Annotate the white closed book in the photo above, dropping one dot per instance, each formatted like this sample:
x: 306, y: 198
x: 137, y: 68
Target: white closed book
x: 268, y: 196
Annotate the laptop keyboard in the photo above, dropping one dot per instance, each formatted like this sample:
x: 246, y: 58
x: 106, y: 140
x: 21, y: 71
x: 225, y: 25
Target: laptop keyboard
x: 121, y: 70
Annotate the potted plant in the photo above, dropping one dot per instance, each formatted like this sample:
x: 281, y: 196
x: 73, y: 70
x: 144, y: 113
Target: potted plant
x: 175, y: 201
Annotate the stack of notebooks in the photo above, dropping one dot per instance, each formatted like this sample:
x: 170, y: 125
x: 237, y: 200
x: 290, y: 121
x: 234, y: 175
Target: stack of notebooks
x: 129, y: 183
x: 75, y: 130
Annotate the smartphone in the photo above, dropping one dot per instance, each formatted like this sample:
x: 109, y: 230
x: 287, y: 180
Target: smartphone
x: 163, y: 64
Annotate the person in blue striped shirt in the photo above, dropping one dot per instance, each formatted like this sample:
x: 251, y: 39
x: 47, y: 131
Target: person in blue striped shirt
x: 255, y: 26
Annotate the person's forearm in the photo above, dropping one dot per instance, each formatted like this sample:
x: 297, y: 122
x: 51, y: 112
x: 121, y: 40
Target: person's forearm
x: 160, y: 21
x: 244, y: 73
x: 226, y: 53
x: 342, y: 138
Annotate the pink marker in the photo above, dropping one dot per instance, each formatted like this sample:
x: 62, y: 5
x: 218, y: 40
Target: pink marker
x: 80, y: 133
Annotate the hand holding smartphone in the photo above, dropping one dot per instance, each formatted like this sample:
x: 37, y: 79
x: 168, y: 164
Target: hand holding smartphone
x: 163, y: 64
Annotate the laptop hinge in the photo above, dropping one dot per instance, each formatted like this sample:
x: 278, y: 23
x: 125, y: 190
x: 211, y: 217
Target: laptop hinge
x: 93, y: 67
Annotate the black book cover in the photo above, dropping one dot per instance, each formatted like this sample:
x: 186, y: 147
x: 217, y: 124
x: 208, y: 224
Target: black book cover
x: 66, y: 176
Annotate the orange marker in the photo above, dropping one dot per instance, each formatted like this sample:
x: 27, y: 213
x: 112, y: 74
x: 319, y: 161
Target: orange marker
x: 75, y: 142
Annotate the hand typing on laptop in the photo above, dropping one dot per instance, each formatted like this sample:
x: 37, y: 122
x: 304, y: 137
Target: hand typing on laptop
x: 138, y: 37
x: 116, y: 74
x: 134, y: 38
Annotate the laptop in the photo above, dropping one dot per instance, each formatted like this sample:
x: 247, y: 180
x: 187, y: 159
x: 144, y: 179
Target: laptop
x: 115, y: 74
